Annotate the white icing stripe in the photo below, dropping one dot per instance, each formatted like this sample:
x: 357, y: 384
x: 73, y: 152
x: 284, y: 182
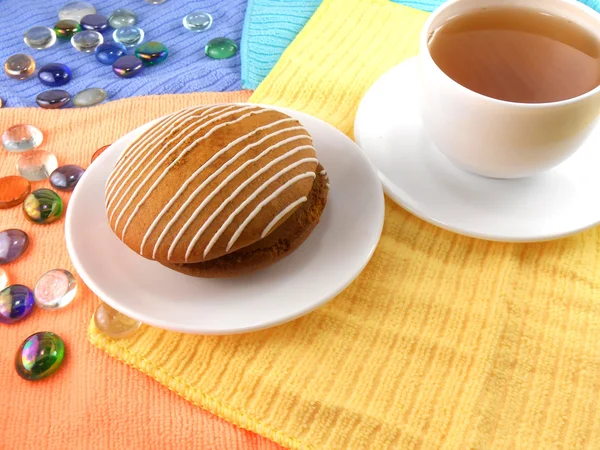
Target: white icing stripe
x: 323, y: 172
x: 222, y: 206
x: 214, y: 175
x: 281, y: 215
x: 261, y: 205
x: 153, y: 151
x: 184, y: 152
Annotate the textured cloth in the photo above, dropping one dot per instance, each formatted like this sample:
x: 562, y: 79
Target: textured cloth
x: 92, y: 402
x: 442, y: 342
x: 271, y: 25
x: 187, y: 68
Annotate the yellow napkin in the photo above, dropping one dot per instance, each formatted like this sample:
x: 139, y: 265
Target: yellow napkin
x: 442, y: 342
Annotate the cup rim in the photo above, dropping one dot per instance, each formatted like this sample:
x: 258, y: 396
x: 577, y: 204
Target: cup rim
x: 424, y: 51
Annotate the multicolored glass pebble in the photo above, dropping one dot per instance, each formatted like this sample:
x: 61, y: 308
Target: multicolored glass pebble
x: 99, y: 152
x: 54, y: 75
x: 109, y: 52
x: 65, y: 29
x: 39, y: 356
x: 122, y: 18
x: 16, y: 303
x: 76, y: 10
x: 19, y: 66
x: 55, y: 289
x: 13, y: 190
x: 13, y: 244
x: 94, y: 22
x: 40, y: 38
x: 65, y: 178
x: 89, y: 97
x: 112, y: 323
x: 53, y: 99
x: 152, y: 52
x: 21, y: 137
x: 86, y: 41
x: 221, y: 48
x: 197, y: 21
x: 3, y: 279
x: 127, y: 66
x: 36, y: 165
x: 129, y: 36
x: 43, y: 206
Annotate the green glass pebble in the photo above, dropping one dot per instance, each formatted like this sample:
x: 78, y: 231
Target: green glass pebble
x: 152, y: 52
x: 122, y: 18
x: 221, y: 48
x: 39, y: 356
x: 65, y: 29
x: 43, y: 206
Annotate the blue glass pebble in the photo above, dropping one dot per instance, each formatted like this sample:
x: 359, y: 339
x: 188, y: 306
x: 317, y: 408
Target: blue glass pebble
x: 129, y: 36
x: 16, y: 303
x: 53, y: 99
x: 109, y: 52
x: 54, y: 75
x: 127, y: 66
x: 65, y: 178
x: 94, y: 22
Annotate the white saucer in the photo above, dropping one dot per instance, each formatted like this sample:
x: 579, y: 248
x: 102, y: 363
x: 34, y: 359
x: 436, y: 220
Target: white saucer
x: 333, y: 255
x: 418, y: 177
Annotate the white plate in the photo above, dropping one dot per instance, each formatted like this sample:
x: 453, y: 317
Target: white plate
x: 418, y: 177
x: 333, y: 255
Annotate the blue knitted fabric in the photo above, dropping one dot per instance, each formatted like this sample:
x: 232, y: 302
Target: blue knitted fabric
x: 271, y: 25
x: 186, y: 69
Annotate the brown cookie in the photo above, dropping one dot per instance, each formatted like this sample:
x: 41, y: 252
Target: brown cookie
x: 279, y: 244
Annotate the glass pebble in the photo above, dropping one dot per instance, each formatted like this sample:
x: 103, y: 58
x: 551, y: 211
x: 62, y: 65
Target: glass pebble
x: 122, y: 18
x: 65, y: 178
x: 127, y: 66
x: 16, y: 303
x: 22, y: 137
x: 65, y: 29
x: 54, y: 75
x: 197, y: 21
x: 39, y: 356
x: 99, y: 152
x: 13, y: 190
x: 221, y: 48
x: 3, y: 279
x: 40, y: 38
x: 43, y: 206
x: 53, y: 99
x: 109, y: 52
x: 13, y: 244
x: 55, y: 289
x: 155, y: 2
x: 76, y: 10
x: 89, y: 97
x: 86, y: 41
x: 36, y: 165
x: 94, y: 22
x: 114, y: 324
x: 152, y: 52
x: 19, y: 66
x: 129, y: 36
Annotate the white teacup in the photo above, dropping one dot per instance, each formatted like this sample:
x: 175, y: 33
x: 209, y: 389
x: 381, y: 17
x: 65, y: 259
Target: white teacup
x: 495, y: 138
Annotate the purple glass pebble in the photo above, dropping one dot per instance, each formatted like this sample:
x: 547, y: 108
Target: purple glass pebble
x: 94, y: 22
x: 16, y: 303
x: 53, y: 99
x: 65, y: 178
x: 55, y: 74
x: 127, y: 66
x: 13, y: 243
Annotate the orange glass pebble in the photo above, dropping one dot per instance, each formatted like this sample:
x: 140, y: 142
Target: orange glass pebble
x: 13, y: 190
x: 99, y: 152
x: 19, y: 66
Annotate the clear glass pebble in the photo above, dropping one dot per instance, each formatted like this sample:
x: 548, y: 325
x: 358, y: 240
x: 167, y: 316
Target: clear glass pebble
x: 94, y: 22
x: 75, y: 11
x: 87, y: 40
x: 13, y: 244
x: 3, y: 279
x: 13, y: 190
x: 19, y: 66
x: 129, y: 36
x: 155, y: 2
x: 221, y: 48
x: 22, y: 137
x: 16, y: 303
x: 114, y: 324
x: 89, y: 97
x: 122, y: 18
x: 65, y: 178
x: 36, y: 165
x: 53, y: 99
x: 65, y: 29
x: 43, y: 206
x: 40, y: 38
x: 39, y: 356
x: 55, y: 289
x: 197, y: 21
